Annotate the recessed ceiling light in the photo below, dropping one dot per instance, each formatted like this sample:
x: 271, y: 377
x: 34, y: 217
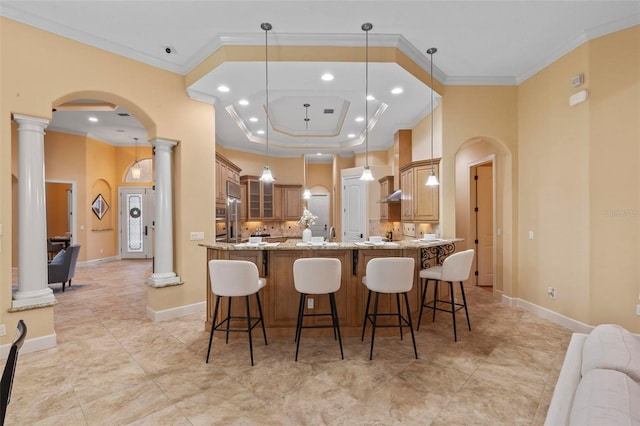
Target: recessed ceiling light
x: 359, y: 119
x: 371, y: 98
x: 319, y: 153
x: 253, y: 119
x: 397, y: 90
x: 327, y: 77
x: 223, y: 89
x: 93, y: 119
x: 351, y: 135
x: 243, y: 102
x: 260, y: 132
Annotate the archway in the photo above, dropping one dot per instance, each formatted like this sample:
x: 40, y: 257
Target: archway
x: 489, y: 151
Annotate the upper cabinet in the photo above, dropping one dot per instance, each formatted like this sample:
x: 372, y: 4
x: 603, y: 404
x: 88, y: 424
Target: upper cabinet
x: 389, y: 211
x: 259, y: 204
x: 225, y: 171
x: 291, y: 202
x: 420, y: 203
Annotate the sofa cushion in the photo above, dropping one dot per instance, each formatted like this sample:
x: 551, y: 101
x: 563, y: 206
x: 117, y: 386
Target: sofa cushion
x: 606, y: 397
x: 59, y: 258
x: 610, y: 346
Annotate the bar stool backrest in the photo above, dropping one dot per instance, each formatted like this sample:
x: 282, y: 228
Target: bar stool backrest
x: 457, y: 267
x: 317, y: 275
x: 390, y: 274
x: 231, y: 278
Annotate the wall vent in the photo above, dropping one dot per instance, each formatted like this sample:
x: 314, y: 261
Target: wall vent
x: 328, y: 110
x: 123, y: 114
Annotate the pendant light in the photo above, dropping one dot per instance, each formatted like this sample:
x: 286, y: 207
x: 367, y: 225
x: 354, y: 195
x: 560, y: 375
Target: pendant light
x: 136, y: 170
x: 266, y: 177
x: 366, y: 173
x: 432, y: 180
x: 306, y: 194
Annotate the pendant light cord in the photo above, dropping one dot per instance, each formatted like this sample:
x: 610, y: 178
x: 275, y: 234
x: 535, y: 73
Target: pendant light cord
x: 366, y: 28
x: 266, y: 27
x: 431, y: 51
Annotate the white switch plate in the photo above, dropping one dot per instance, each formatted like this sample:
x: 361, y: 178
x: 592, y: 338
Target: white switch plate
x: 197, y: 236
x: 310, y: 303
x: 638, y: 310
x: 531, y: 235
x: 3, y: 330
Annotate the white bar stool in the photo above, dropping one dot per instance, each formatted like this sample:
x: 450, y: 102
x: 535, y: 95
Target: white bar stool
x: 317, y: 276
x: 389, y: 275
x: 456, y: 267
x: 234, y: 278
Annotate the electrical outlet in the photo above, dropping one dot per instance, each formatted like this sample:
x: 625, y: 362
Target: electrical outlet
x: 197, y: 236
x: 3, y: 330
x: 310, y: 303
x: 551, y: 292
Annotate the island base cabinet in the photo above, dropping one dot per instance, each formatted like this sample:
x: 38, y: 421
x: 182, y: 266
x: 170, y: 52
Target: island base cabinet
x: 280, y: 299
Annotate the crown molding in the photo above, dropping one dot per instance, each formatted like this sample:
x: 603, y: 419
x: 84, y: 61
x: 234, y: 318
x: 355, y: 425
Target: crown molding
x: 577, y: 41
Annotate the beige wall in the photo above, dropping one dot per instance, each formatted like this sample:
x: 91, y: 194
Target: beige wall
x: 579, y: 183
x: 36, y: 73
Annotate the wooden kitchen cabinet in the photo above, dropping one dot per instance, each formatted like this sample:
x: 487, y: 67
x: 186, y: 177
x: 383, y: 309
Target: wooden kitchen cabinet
x: 389, y: 211
x: 225, y: 171
x: 260, y: 203
x: 291, y: 202
x: 420, y: 203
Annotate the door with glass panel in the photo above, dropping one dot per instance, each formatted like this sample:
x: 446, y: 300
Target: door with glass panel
x: 136, y: 223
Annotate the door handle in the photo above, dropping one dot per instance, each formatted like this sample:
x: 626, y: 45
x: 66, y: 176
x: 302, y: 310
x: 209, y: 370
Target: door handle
x: 145, y: 230
x: 361, y: 236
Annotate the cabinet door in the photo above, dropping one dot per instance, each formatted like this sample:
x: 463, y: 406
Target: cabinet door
x: 406, y: 182
x: 221, y: 176
x: 426, y: 202
x: 267, y: 201
x: 292, y: 204
x: 254, y: 210
x: 277, y: 202
x: 384, y: 207
x: 243, y: 203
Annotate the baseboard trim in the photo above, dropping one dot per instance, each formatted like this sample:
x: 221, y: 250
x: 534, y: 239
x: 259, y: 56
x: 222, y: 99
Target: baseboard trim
x: 32, y: 345
x: 98, y: 261
x: 176, y: 312
x: 564, y: 321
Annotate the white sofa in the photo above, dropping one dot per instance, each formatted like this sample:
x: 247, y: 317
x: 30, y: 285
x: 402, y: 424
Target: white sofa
x: 599, y: 382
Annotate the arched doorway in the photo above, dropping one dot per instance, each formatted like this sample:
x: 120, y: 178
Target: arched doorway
x: 494, y: 258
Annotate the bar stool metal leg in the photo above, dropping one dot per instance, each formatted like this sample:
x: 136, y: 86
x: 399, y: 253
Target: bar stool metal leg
x: 453, y: 312
x: 399, y: 314
x: 213, y: 326
x: 366, y: 315
x: 464, y: 300
x: 424, y: 296
x: 373, y: 324
x: 246, y: 298
x: 413, y: 337
x: 336, y: 322
x: 303, y: 298
x: 229, y: 318
x: 264, y: 332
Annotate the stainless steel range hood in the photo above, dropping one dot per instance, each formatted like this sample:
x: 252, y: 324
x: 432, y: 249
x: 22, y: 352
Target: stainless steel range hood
x: 394, y: 197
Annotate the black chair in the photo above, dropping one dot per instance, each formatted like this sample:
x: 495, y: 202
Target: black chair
x: 10, y: 369
x: 63, y: 268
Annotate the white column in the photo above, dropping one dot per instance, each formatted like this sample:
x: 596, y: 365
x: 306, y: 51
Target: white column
x: 163, y: 274
x: 33, y: 287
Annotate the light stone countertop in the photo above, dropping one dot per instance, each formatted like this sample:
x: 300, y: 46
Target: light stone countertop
x: 293, y: 244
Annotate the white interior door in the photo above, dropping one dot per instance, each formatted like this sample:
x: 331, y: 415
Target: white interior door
x: 354, y: 205
x: 318, y: 204
x: 484, y: 224
x: 136, y: 223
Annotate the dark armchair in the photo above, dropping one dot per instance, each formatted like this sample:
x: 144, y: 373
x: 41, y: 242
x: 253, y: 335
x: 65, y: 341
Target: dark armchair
x: 10, y: 369
x: 63, y: 267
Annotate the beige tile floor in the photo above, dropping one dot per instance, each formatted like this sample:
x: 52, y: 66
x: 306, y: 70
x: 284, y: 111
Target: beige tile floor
x: 114, y: 366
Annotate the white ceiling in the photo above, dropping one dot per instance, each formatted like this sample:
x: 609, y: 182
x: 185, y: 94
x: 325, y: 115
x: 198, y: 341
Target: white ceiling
x: 479, y: 42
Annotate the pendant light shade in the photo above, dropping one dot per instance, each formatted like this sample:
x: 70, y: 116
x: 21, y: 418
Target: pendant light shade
x: 266, y: 177
x: 366, y: 173
x: 432, y: 180
x: 136, y: 170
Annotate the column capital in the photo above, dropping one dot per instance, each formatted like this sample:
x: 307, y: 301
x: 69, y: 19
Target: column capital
x: 28, y: 120
x: 166, y: 144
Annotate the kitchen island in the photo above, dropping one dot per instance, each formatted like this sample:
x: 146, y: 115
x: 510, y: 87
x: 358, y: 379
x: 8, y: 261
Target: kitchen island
x: 280, y: 298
